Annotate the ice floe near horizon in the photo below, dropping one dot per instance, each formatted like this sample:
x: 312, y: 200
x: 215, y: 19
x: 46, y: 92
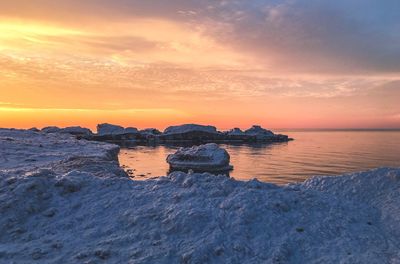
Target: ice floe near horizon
x: 190, y: 128
x: 73, y: 130
x: 235, y: 132
x: 198, y: 134
x: 109, y: 129
x: 259, y: 131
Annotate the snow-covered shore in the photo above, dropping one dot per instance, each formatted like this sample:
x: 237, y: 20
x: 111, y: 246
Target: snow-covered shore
x: 64, y: 200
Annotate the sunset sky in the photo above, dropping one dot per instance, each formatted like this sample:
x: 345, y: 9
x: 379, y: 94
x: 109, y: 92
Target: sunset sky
x: 280, y: 64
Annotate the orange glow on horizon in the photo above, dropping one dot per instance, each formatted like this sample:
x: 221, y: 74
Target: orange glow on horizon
x: 157, y: 118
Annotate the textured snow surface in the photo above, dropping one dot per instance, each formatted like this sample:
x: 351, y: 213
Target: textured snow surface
x: 66, y: 201
x: 23, y: 150
x: 207, y: 157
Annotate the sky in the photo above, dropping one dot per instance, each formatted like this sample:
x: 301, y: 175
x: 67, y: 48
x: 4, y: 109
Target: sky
x: 280, y: 64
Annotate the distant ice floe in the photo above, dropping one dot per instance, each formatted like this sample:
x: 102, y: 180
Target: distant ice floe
x: 258, y: 131
x: 187, y: 128
x: 64, y: 200
x: 109, y: 129
x: 150, y: 131
x: 235, y: 132
x: 198, y: 134
x: 73, y: 130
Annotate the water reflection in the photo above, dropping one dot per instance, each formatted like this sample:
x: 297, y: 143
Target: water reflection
x: 311, y: 153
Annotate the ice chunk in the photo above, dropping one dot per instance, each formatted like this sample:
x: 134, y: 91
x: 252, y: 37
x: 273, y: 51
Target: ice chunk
x: 186, y: 128
x: 236, y: 132
x: 259, y: 132
x: 150, y: 131
x: 109, y: 129
x: 208, y: 157
x: 51, y: 129
x: 76, y: 130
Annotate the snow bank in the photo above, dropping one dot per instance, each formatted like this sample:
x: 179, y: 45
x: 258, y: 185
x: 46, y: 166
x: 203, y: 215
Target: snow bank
x: 24, y: 150
x: 66, y: 201
x: 209, y: 157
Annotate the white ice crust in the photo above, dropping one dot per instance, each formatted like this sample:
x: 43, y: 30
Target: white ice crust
x: 64, y: 200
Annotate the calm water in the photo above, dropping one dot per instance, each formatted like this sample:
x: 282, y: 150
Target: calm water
x: 311, y: 153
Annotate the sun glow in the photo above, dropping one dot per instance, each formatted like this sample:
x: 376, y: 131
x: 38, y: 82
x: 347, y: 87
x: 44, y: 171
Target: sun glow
x: 40, y: 117
x: 24, y: 35
x: 18, y: 29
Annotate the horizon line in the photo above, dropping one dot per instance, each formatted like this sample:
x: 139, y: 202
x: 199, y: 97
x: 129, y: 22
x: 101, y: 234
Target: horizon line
x: 273, y: 129
x: 338, y: 129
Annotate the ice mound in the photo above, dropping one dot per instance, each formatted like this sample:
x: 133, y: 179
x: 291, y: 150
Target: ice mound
x: 235, y: 132
x: 209, y: 157
x: 73, y: 130
x: 150, y: 131
x: 109, y: 129
x: 51, y: 129
x: 76, y: 130
x: 193, y: 133
x: 259, y: 132
x: 64, y: 200
x: 190, y: 128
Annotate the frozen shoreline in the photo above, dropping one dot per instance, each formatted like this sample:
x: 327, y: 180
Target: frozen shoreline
x: 64, y: 200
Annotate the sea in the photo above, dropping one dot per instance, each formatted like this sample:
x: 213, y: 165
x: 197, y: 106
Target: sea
x: 312, y: 152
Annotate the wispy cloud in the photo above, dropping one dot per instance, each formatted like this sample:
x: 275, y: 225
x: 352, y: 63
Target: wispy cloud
x: 291, y: 35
